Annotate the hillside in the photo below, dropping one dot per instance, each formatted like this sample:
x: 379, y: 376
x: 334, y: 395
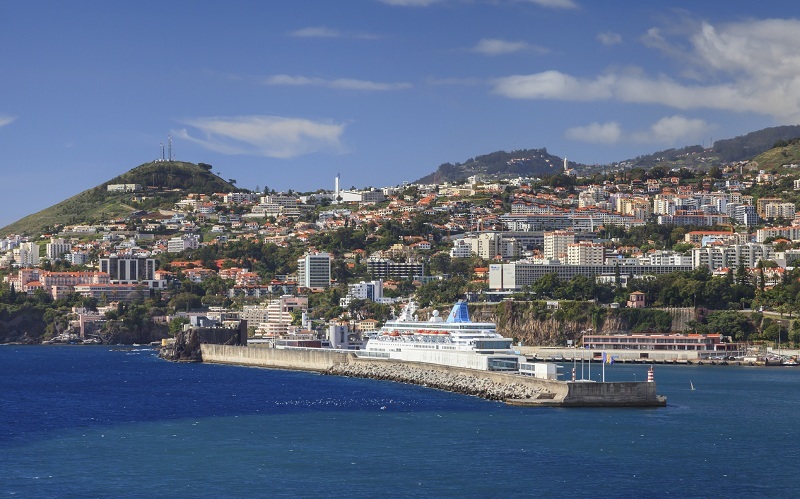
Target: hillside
x: 163, y: 182
x: 524, y: 162
x: 538, y: 162
x: 785, y: 153
x: 754, y: 143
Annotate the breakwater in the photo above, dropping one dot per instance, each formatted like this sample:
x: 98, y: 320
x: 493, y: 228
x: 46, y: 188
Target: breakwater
x: 512, y: 388
x: 484, y: 384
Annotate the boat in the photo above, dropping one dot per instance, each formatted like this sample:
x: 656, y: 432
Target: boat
x: 691, y: 385
x: 455, y: 341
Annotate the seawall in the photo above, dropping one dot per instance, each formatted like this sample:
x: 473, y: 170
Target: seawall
x: 511, y: 388
x: 307, y: 359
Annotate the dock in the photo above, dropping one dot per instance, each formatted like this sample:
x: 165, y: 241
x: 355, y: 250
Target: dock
x: 513, y: 389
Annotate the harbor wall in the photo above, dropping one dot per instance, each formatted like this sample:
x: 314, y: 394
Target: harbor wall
x: 512, y: 388
x: 310, y: 359
x: 633, y: 394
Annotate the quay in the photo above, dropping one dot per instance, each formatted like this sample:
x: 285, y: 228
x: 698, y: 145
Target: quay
x: 679, y: 357
x: 514, y: 389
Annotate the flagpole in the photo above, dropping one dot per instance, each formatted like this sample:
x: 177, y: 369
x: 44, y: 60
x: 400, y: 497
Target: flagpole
x: 604, y: 366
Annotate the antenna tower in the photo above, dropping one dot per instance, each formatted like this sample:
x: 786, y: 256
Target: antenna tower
x: 170, y: 147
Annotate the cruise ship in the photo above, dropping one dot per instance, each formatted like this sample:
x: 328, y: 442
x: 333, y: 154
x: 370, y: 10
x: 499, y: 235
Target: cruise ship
x: 455, y: 341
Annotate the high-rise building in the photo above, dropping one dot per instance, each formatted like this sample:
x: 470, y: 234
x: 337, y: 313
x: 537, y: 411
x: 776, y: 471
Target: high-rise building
x: 57, y: 247
x: 556, y: 242
x: 314, y: 271
x: 381, y: 268
x: 128, y: 269
x: 585, y: 253
x: 27, y: 254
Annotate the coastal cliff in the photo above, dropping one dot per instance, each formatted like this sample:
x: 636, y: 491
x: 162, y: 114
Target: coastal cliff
x: 534, y: 323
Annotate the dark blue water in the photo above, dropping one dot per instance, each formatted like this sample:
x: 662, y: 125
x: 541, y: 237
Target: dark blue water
x: 103, y: 422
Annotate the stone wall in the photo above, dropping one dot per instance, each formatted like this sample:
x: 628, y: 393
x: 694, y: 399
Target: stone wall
x: 296, y: 359
x: 631, y: 394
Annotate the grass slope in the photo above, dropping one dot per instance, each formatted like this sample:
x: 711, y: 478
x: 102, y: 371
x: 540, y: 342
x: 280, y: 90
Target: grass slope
x: 778, y: 156
x: 97, y: 204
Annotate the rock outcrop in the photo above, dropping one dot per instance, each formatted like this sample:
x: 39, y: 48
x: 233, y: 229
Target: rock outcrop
x: 186, y: 348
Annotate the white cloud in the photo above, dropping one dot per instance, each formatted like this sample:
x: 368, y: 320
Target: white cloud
x: 556, y: 4
x: 493, y: 46
x: 596, y: 133
x: 672, y: 130
x: 6, y: 120
x: 669, y: 130
x: 750, y: 66
x: 410, y: 3
x: 316, y: 32
x: 325, y: 32
x: 340, y: 83
x: 609, y: 38
x: 553, y: 85
x: 269, y: 136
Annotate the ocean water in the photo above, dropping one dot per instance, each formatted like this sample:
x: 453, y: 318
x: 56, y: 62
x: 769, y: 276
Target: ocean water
x: 119, y: 422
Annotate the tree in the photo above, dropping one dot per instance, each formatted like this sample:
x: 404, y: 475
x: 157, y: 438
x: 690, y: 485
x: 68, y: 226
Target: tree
x: 176, y: 325
x: 730, y: 323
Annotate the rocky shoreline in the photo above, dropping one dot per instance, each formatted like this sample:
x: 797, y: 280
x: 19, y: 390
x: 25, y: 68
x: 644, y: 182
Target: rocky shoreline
x: 465, y: 384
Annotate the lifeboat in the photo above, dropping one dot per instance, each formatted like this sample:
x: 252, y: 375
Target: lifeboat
x: 394, y: 333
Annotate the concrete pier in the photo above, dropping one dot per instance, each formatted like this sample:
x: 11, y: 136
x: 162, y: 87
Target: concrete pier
x: 512, y: 388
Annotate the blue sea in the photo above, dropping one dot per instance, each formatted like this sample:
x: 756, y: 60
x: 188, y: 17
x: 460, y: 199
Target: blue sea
x: 119, y: 422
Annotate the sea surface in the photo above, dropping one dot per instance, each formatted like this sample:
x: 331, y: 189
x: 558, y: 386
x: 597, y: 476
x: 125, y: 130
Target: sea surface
x: 119, y: 422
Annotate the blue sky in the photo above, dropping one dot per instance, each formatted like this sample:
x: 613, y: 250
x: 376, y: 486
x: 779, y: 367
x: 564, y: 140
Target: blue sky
x: 287, y: 93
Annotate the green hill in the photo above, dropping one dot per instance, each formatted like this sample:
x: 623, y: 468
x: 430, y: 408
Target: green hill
x: 784, y: 153
x: 163, y: 183
x: 524, y: 162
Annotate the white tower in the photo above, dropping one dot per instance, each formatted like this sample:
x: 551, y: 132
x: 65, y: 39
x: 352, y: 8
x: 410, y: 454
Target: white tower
x: 336, y: 189
x: 565, y: 164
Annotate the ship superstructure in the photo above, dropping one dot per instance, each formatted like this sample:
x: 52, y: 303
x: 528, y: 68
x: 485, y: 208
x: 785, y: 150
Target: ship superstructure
x: 455, y: 341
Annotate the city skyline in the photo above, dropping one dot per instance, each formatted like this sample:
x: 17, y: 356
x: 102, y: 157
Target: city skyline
x: 288, y: 94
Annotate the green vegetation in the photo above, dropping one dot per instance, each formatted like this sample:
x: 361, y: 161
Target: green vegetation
x: 97, y: 204
x: 525, y: 162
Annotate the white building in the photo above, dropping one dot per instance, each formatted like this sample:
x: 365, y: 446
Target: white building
x: 791, y: 233
x: 131, y: 269
x: 556, y: 243
x: 461, y: 249
x: 274, y: 317
x: 779, y: 210
x: 56, y: 247
x: 123, y: 187
x: 277, y: 205
x: 731, y: 256
x: 490, y: 245
x: 27, y: 254
x: 184, y: 242
x: 314, y: 271
x: 239, y: 197
x: 365, y: 290
x: 370, y: 196
x: 76, y: 257
x: 585, y: 253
